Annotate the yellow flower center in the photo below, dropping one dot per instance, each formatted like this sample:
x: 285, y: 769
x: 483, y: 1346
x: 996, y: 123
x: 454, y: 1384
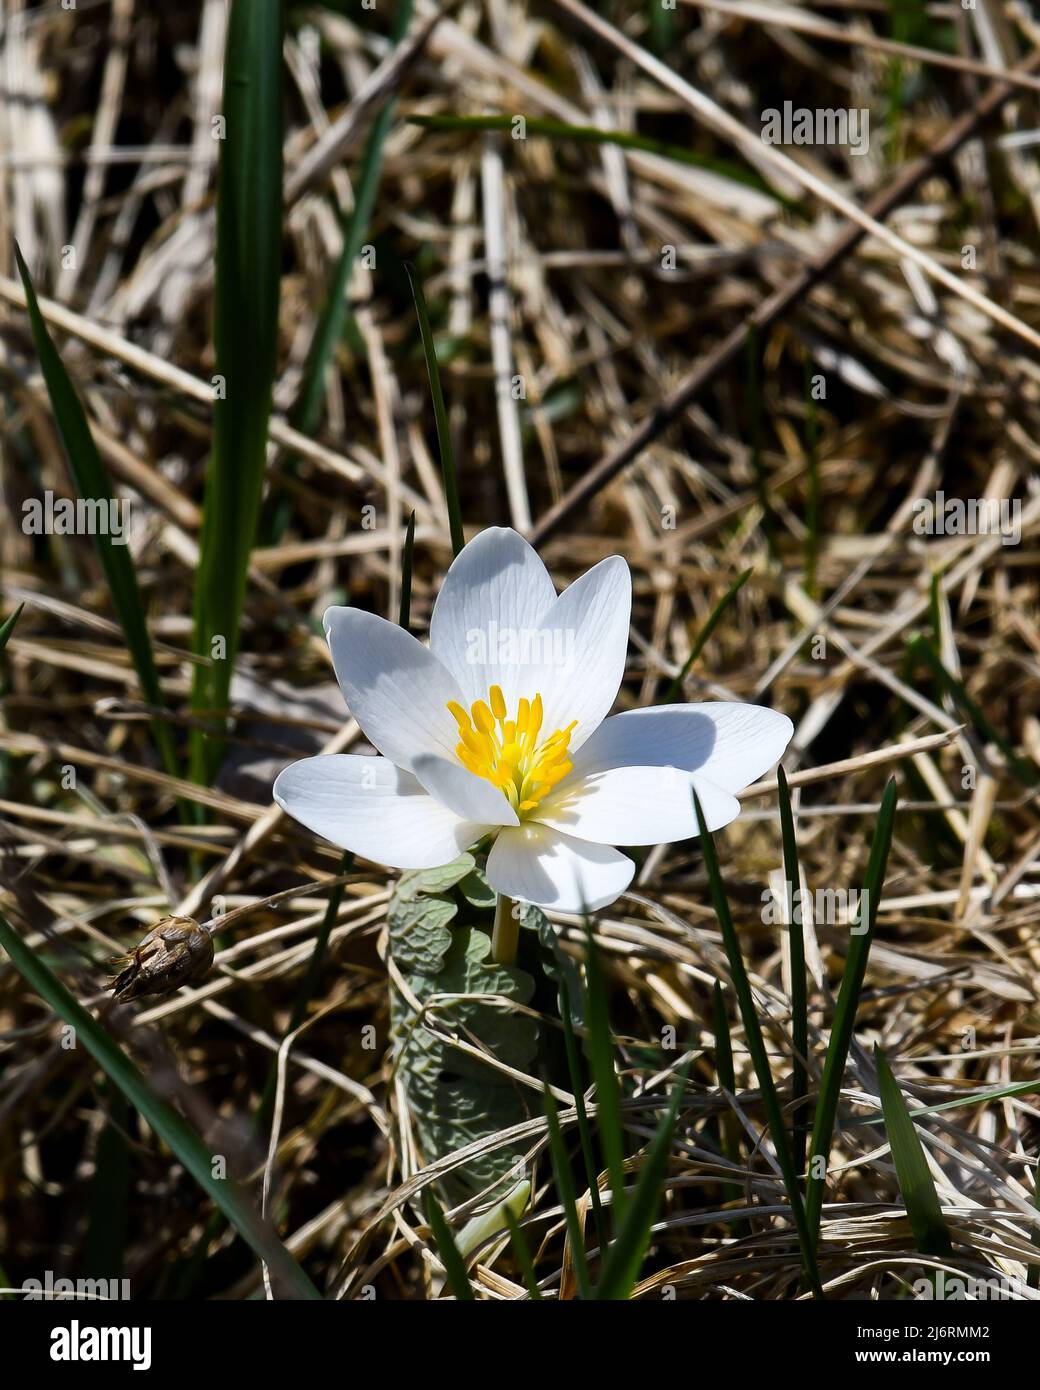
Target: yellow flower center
x: 507, y: 752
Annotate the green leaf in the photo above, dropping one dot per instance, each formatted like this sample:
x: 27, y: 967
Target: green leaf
x: 454, y: 1097
x: 477, y: 891
x: 511, y: 1038
x: 92, y: 483
x: 447, y: 453
x: 248, y: 280
x: 557, y: 964
x: 757, y: 1049
x: 164, y: 1120
x: 420, y: 913
x: 454, y: 1265
x: 420, y: 933
x: 927, y: 1222
x: 414, y: 882
x: 848, y: 1002
x: 625, y: 1257
x: 495, y: 1220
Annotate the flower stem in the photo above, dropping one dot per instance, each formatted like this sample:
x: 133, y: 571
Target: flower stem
x: 506, y: 935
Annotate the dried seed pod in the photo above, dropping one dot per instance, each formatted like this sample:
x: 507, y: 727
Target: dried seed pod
x: 176, y: 951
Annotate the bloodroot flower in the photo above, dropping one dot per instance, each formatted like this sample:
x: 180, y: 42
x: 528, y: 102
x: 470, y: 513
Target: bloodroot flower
x: 499, y: 728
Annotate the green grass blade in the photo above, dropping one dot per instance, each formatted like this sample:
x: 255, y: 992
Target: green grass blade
x: 661, y: 23
x: 596, y: 135
x: 92, y: 483
x: 812, y: 494
x: 935, y: 611
x: 799, y: 1001
x: 336, y: 311
x: 845, y: 1010
x: 625, y: 1257
x: 757, y: 1049
x: 164, y: 1120
x: 723, y: 1042
x: 577, y: 1080
x: 448, y: 474
x: 561, y: 1166
x: 108, y: 1199
x: 245, y: 333
x: 675, y: 690
x: 335, y: 315
x: 308, y: 985
x: 1015, y: 1088
x: 729, y: 1141
x: 927, y: 1222
x: 523, y: 1255
x: 1023, y: 770
x: 9, y: 625
x: 753, y: 401
x: 405, y: 615
x: 454, y: 1265
x: 608, y: 1091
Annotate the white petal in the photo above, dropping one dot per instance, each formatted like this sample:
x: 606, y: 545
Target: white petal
x: 496, y: 590
x: 730, y: 745
x: 636, y: 806
x: 539, y: 865
x: 397, y: 690
x: 587, y: 630
x: 467, y: 795
x: 375, y: 809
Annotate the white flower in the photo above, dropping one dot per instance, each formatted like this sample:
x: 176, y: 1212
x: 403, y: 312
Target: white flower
x: 500, y: 728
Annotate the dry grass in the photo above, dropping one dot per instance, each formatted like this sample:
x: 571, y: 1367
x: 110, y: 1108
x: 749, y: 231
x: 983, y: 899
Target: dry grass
x: 541, y: 257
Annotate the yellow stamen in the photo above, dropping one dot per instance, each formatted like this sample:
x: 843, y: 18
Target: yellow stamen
x: 476, y: 743
x: 468, y: 759
x: 483, y: 718
x: 459, y: 714
x: 536, y: 717
x: 507, y: 752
